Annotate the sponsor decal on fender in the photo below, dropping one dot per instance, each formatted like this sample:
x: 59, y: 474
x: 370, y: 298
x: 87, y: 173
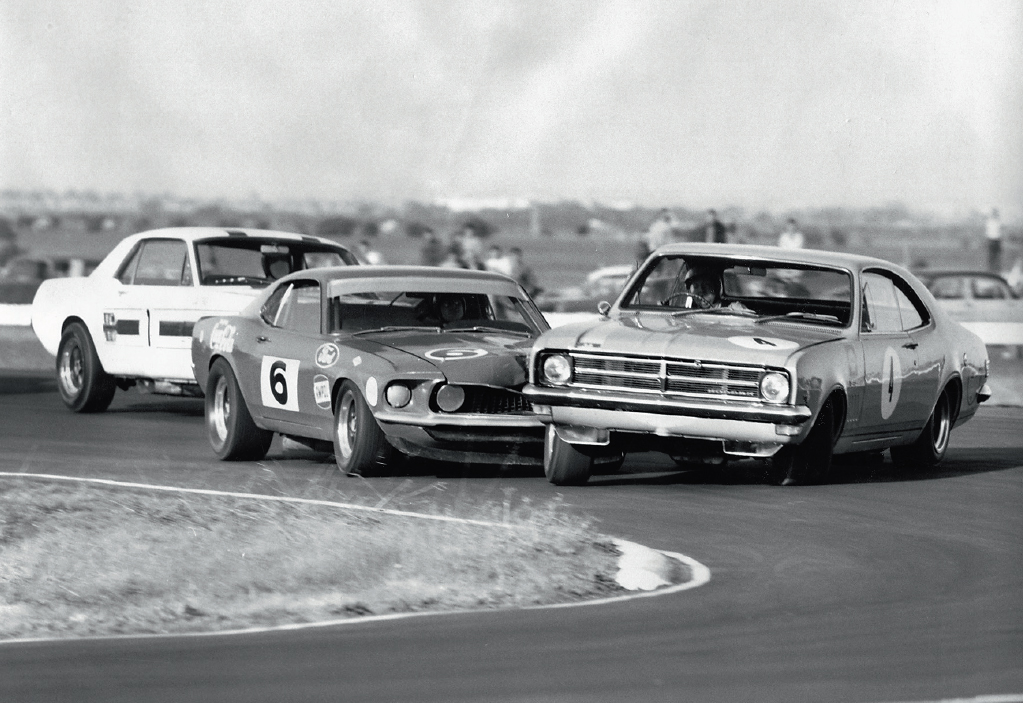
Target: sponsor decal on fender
x: 891, y: 382
x: 222, y: 337
x: 321, y: 390
x: 763, y: 342
x: 327, y: 355
x: 455, y: 354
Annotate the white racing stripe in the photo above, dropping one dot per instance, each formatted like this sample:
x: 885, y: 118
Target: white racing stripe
x: 700, y: 574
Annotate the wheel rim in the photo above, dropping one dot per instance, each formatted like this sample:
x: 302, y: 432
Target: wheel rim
x: 347, y: 425
x: 220, y: 413
x: 941, y: 426
x: 72, y: 371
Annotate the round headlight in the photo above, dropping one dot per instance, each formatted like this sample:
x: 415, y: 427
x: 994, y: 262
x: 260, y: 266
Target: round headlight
x: 398, y: 395
x: 774, y: 387
x: 450, y: 398
x: 557, y: 369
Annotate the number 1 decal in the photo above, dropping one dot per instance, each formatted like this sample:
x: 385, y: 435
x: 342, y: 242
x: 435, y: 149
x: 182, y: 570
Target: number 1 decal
x: 891, y: 382
x: 278, y: 383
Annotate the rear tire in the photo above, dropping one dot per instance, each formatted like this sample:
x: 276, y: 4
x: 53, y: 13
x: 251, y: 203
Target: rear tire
x: 229, y: 426
x: 563, y: 464
x: 360, y: 446
x: 83, y: 384
x: 810, y: 461
x: 930, y: 447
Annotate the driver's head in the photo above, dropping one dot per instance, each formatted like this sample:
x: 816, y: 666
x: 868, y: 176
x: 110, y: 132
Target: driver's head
x: 704, y: 282
x: 450, y: 308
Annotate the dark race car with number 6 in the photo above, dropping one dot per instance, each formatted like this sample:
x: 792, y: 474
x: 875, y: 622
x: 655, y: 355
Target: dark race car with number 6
x: 786, y: 356
x: 381, y: 362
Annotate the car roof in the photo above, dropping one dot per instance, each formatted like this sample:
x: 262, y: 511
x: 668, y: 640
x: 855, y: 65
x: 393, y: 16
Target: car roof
x: 192, y: 234
x: 935, y: 273
x: 410, y: 278
x: 813, y: 257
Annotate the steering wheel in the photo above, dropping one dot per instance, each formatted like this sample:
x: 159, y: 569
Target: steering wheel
x: 698, y: 301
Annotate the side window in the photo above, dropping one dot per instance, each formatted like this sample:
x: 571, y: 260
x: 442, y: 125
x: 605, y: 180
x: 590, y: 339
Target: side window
x: 269, y: 310
x: 162, y: 262
x: 947, y: 288
x: 914, y: 314
x: 989, y: 289
x: 127, y: 271
x: 881, y: 308
x: 300, y: 308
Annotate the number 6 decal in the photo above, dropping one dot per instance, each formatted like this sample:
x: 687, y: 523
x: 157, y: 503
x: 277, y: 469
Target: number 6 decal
x: 278, y: 381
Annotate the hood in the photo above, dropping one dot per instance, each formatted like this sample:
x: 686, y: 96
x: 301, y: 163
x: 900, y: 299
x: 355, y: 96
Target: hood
x: 482, y: 358
x: 723, y: 338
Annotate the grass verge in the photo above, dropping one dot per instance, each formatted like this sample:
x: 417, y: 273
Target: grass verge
x: 80, y: 560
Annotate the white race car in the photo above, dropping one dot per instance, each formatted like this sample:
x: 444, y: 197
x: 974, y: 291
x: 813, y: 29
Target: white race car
x: 130, y: 321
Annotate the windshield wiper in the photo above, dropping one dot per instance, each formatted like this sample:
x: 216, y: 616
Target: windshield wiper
x: 713, y: 311
x: 796, y: 315
x: 485, y: 328
x: 398, y: 328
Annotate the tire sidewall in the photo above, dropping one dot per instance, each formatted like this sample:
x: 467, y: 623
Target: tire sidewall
x: 222, y: 447
x: 563, y: 464
x: 97, y: 389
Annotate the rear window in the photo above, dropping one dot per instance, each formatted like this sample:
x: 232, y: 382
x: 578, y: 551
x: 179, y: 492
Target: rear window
x: 257, y: 262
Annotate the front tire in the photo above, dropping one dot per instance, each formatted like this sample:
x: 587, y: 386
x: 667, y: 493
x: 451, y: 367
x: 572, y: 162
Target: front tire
x: 83, y: 384
x: 930, y: 447
x: 229, y: 426
x: 810, y: 461
x: 360, y: 446
x: 563, y: 464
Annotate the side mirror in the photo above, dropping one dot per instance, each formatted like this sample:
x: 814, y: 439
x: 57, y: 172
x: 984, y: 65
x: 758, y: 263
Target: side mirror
x: 603, y: 307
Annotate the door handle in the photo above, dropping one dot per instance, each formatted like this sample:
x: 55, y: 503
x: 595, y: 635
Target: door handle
x: 261, y: 339
x: 910, y: 345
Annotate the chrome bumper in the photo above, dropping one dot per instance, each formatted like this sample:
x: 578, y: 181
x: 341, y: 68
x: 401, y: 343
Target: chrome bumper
x: 669, y: 417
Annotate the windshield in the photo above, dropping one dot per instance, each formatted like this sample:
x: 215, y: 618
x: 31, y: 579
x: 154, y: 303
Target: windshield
x: 258, y: 261
x: 789, y: 291
x: 473, y: 312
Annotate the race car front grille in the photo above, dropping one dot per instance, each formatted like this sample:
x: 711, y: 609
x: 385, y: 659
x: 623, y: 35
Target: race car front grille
x: 686, y: 377
x: 485, y: 400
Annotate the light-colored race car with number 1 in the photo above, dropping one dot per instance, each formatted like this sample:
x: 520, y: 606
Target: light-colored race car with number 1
x: 804, y: 354
x: 130, y: 321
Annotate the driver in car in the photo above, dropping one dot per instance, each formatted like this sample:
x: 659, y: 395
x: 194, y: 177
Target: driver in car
x: 704, y: 287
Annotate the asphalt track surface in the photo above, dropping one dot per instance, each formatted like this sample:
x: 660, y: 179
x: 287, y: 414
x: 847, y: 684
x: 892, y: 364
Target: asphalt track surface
x: 881, y: 586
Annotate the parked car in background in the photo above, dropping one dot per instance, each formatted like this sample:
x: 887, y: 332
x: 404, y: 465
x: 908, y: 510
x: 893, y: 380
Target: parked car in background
x: 578, y: 303
x: 982, y: 302
x: 130, y: 321
x: 378, y: 362
x: 805, y: 354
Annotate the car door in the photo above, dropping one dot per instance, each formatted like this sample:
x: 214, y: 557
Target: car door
x: 125, y: 318
x: 289, y: 392
x: 154, y: 307
x: 920, y: 386
x: 889, y: 358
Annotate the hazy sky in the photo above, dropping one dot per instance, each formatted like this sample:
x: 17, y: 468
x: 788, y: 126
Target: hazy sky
x: 689, y: 103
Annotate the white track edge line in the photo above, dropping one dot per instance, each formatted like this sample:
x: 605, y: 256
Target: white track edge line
x: 699, y: 574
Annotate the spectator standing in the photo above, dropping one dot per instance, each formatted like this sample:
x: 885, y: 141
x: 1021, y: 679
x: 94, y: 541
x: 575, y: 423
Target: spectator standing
x: 453, y: 258
x: 715, y: 231
x: 496, y: 261
x: 432, y: 251
x: 791, y: 237
x: 472, y: 248
x: 661, y: 231
x: 993, y: 234
x: 521, y: 272
x: 369, y: 254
